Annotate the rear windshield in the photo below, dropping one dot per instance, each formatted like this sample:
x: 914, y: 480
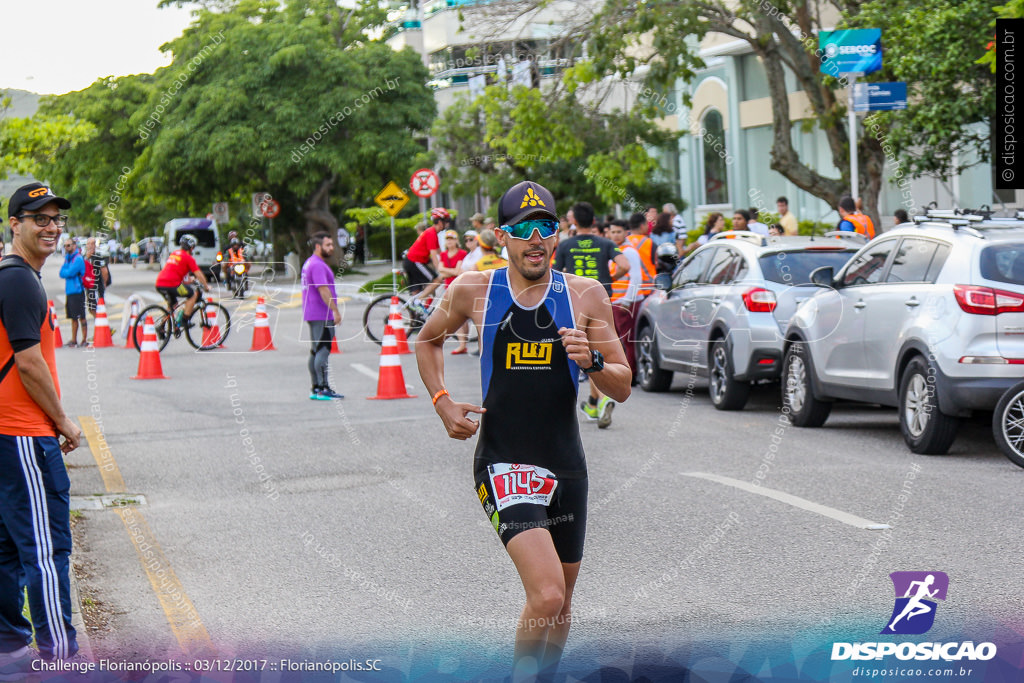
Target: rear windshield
x: 794, y: 267
x: 1003, y: 263
x: 204, y: 238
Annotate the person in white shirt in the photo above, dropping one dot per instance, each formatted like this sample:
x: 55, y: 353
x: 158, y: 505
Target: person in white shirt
x: 755, y: 225
x: 475, y: 252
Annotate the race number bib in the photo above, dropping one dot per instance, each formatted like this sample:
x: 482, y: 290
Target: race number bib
x: 513, y: 484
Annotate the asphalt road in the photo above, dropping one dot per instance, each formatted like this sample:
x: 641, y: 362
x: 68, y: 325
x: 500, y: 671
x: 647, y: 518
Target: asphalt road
x: 358, y: 533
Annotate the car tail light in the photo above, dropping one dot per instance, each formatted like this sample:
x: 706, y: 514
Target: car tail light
x: 759, y: 300
x: 988, y: 301
x: 991, y: 360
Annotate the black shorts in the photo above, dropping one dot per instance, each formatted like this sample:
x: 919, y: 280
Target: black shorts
x: 171, y: 294
x: 564, y: 515
x: 74, y: 306
x: 419, y: 275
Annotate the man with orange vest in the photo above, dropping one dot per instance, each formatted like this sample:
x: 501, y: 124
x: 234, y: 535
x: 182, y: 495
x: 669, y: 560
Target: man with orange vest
x: 852, y: 220
x: 34, y: 510
x: 626, y: 296
x: 644, y: 246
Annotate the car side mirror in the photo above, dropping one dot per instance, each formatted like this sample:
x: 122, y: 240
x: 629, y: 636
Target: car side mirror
x: 663, y: 281
x: 823, y: 276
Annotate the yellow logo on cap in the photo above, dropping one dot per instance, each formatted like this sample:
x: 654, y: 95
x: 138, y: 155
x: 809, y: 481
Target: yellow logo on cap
x: 40, y: 191
x: 531, y: 199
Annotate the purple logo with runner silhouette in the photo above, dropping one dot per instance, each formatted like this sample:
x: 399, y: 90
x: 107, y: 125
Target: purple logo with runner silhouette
x: 916, y: 593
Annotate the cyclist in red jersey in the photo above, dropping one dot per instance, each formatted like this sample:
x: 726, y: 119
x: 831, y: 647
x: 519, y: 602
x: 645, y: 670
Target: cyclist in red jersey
x: 171, y: 280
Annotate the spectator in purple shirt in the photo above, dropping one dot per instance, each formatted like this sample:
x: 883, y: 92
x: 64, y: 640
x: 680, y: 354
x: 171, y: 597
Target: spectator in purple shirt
x: 320, y: 310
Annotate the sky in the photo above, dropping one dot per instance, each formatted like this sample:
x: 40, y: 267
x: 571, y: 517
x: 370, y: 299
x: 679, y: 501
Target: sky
x: 55, y: 46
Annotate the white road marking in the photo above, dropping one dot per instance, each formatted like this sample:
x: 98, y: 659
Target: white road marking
x: 363, y: 370
x: 790, y: 499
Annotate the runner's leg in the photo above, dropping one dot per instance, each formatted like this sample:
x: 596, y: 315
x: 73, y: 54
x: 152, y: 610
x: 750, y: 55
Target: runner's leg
x: 559, y: 632
x: 533, y: 553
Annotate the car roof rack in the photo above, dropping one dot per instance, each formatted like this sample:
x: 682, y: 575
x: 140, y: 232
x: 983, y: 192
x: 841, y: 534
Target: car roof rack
x: 846, y: 235
x: 744, y: 235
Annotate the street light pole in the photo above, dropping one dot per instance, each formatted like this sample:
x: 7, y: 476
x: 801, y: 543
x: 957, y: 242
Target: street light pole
x: 854, y: 180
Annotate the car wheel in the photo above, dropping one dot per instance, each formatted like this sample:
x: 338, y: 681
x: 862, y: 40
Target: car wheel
x: 1008, y: 424
x: 726, y: 392
x: 649, y: 376
x: 797, y: 393
x: 925, y: 428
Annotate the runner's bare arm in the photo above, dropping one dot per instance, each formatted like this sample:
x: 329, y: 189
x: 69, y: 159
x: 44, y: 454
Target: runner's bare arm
x: 38, y: 382
x: 455, y: 308
x: 597, y: 332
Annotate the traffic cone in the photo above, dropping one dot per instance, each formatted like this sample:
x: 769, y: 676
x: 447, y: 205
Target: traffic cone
x: 58, y: 341
x: 334, y: 345
x: 211, y: 333
x: 261, y: 340
x: 129, y: 343
x: 149, y: 359
x: 390, y: 382
x: 101, y: 338
x: 398, y: 326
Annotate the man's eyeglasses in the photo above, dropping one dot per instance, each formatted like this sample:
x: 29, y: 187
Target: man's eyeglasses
x: 43, y: 220
x: 524, y: 231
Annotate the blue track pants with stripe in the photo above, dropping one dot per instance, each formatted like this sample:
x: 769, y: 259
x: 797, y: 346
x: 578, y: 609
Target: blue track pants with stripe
x: 35, y: 546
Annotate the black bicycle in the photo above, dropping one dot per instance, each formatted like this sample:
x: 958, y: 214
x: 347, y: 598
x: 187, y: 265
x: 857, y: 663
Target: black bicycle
x: 207, y: 328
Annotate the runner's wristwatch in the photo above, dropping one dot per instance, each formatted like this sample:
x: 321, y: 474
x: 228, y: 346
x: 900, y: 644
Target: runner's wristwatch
x: 597, y: 363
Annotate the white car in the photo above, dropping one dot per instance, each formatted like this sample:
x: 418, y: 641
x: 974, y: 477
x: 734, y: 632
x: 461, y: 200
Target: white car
x: 928, y: 317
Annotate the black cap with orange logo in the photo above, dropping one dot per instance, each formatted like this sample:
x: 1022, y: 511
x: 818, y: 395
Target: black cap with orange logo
x: 32, y: 196
x: 526, y: 199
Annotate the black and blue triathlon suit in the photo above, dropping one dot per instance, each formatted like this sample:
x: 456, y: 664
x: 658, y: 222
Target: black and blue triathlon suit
x: 529, y: 468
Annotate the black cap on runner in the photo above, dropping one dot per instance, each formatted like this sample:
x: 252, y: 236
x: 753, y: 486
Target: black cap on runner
x: 525, y: 199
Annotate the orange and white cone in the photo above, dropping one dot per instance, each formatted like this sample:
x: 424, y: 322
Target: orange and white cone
x: 211, y: 333
x: 261, y: 340
x: 149, y: 359
x: 390, y: 381
x: 398, y: 326
x: 102, y: 338
x: 129, y: 343
x: 58, y: 341
x: 334, y: 345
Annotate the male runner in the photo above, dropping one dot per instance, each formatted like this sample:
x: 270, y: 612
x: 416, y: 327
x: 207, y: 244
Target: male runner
x: 538, y: 328
x: 587, y: 254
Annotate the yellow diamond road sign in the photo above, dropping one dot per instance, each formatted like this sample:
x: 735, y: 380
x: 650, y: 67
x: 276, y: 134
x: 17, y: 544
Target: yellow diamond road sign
x: 392, y: 198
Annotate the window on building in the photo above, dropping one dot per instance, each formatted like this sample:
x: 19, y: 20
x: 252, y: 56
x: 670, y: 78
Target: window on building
x: 716, y: 179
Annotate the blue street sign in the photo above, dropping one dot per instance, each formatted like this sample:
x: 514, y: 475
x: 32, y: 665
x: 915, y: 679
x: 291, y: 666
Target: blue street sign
x: 879, y: 96
x: 853, y: 51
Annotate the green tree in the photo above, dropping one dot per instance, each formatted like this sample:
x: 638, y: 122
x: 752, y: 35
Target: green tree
x: 662, y: 38
x: 293, y: 100
x: 100, y: 172
x: 581, y: 153
x: 27, y: 145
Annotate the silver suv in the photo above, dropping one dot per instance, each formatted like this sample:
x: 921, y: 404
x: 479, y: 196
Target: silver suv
x: 928, y: 317
x: 723, y: 310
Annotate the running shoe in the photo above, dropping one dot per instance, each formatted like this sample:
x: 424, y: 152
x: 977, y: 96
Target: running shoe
x: 317, y: 394
x: 589, y: 410
x: 16, y: 665
x: 71, y: 344
x: 418, y: 309
x: 604, y: 411
x: 330, y: 393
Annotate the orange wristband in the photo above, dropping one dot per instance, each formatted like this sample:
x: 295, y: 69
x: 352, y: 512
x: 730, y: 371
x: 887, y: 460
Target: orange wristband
x: 439, y: 394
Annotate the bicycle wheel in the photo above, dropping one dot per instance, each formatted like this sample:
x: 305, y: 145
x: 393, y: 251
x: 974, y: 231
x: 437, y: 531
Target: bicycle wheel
x: 375, y: 317
x: 161, y: 321
x: 209, y: 326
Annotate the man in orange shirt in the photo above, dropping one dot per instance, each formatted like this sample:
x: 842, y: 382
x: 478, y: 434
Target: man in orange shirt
x: 35, y: 522
x: 852, y: 220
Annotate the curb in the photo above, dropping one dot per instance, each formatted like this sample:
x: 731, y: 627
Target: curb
x: 77, y: 620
